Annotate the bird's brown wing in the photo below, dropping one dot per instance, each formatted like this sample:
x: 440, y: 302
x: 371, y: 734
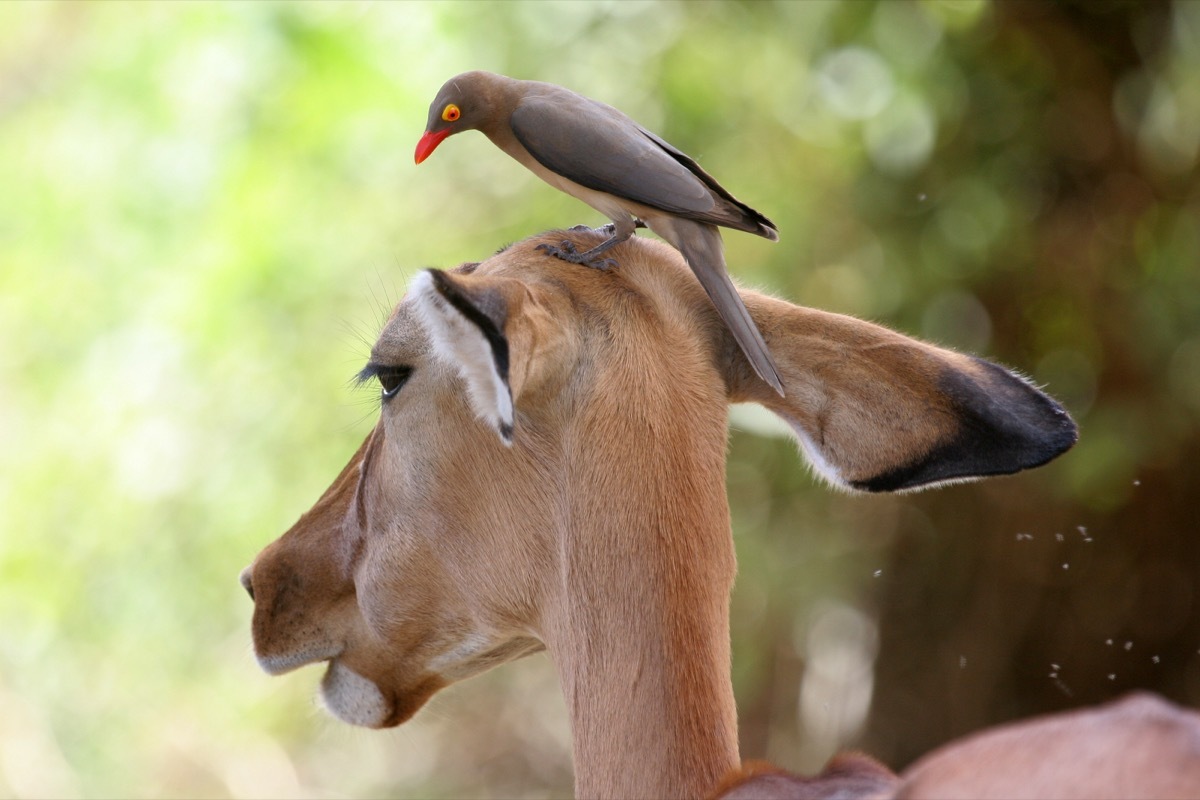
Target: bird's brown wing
x: 598, y: 147
x: 756, y: 222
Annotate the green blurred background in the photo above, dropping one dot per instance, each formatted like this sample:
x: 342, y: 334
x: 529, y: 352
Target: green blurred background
x: 206, y: 211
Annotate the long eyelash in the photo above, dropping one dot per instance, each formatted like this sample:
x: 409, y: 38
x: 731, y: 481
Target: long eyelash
x: 367, y: 374
x: 371, y: 401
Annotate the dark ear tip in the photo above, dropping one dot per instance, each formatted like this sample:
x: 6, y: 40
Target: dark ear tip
x: 1067, y: 431
x: 1006, y: 425
x: 441, y: 281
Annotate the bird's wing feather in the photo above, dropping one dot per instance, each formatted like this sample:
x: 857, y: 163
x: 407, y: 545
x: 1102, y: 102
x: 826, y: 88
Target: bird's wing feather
x: 701, y: 247
x: 600, y: 148
x: 752, y: 221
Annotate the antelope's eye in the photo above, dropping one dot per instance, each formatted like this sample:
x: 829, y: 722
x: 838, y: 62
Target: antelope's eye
x: 451, y: 113
x: 392, y: 379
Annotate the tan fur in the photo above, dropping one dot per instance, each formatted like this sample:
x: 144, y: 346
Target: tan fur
x: 1140, y: 747
x: 847, y: 776
x: 602, y: 533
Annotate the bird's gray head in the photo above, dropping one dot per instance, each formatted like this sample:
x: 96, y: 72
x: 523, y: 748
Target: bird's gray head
x: 465, y: 102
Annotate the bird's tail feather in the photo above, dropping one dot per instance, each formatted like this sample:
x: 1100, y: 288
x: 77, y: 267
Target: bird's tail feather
x: 701, y: 246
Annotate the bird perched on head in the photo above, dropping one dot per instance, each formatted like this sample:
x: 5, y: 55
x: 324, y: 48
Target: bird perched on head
x: 600, y: 156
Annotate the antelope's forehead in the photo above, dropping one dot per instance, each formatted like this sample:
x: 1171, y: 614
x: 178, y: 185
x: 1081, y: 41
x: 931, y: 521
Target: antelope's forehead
x: 403, y: 339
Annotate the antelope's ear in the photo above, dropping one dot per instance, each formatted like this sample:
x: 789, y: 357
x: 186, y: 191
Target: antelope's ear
x: 875, y: 410
x: 466, y: 320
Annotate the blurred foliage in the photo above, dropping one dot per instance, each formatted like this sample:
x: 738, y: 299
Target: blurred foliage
x: 207, y: 209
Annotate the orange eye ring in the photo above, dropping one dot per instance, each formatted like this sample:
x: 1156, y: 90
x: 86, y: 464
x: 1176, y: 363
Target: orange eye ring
x: 451, y: 113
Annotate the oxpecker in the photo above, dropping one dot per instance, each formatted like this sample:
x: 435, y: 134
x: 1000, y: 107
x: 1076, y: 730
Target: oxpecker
x: 600, y: 156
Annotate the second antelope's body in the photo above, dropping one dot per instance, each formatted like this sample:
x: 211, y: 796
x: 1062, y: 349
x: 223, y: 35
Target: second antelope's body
x: 548, y: 472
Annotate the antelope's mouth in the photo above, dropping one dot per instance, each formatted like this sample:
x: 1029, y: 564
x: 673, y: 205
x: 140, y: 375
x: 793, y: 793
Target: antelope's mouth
x: 286, y: 662
x: 347, y: 694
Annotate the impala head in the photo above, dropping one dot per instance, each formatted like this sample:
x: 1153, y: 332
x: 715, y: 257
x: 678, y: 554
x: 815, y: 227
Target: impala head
x: 548, y: 471
x: 424, y: 562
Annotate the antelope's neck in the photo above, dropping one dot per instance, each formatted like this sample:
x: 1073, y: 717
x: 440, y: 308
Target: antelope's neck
x: 641, y: 643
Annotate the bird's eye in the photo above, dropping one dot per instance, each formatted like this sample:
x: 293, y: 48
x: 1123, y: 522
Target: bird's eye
x: 392, y: 379
x: 451, y: 113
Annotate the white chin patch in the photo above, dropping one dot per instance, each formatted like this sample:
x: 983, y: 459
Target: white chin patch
x: 352, y: 698
x: 459, y: 342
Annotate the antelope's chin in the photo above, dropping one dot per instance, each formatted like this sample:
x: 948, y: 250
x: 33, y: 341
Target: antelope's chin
x: 354, y: 699
x: 357, y: 700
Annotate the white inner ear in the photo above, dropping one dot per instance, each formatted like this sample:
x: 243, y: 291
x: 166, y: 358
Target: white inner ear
x: 816, y: 460
x: 459, y: 342
x: 757, y: 419
x: 765, y: 422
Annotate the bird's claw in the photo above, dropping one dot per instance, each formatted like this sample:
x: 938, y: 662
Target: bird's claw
x: 566, y: 252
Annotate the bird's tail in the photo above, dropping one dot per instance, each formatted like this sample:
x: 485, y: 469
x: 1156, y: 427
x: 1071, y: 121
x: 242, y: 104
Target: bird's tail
x: 702, y: 248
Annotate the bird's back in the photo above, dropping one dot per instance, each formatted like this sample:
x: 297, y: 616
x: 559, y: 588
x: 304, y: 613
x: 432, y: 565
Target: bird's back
x: 601, y: 148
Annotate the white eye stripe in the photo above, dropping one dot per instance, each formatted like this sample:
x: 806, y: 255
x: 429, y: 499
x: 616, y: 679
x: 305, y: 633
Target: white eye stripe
x: 460, y: 343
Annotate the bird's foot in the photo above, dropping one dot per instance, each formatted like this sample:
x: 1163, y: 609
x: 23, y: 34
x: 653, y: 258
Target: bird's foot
x: 608, y: 229
x: 566, y: 252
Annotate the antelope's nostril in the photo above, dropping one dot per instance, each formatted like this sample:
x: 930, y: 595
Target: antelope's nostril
x: 246, y: 584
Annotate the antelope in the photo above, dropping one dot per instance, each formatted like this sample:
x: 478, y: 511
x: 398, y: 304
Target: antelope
x: 1140, y: 746
x: 548, y: 473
